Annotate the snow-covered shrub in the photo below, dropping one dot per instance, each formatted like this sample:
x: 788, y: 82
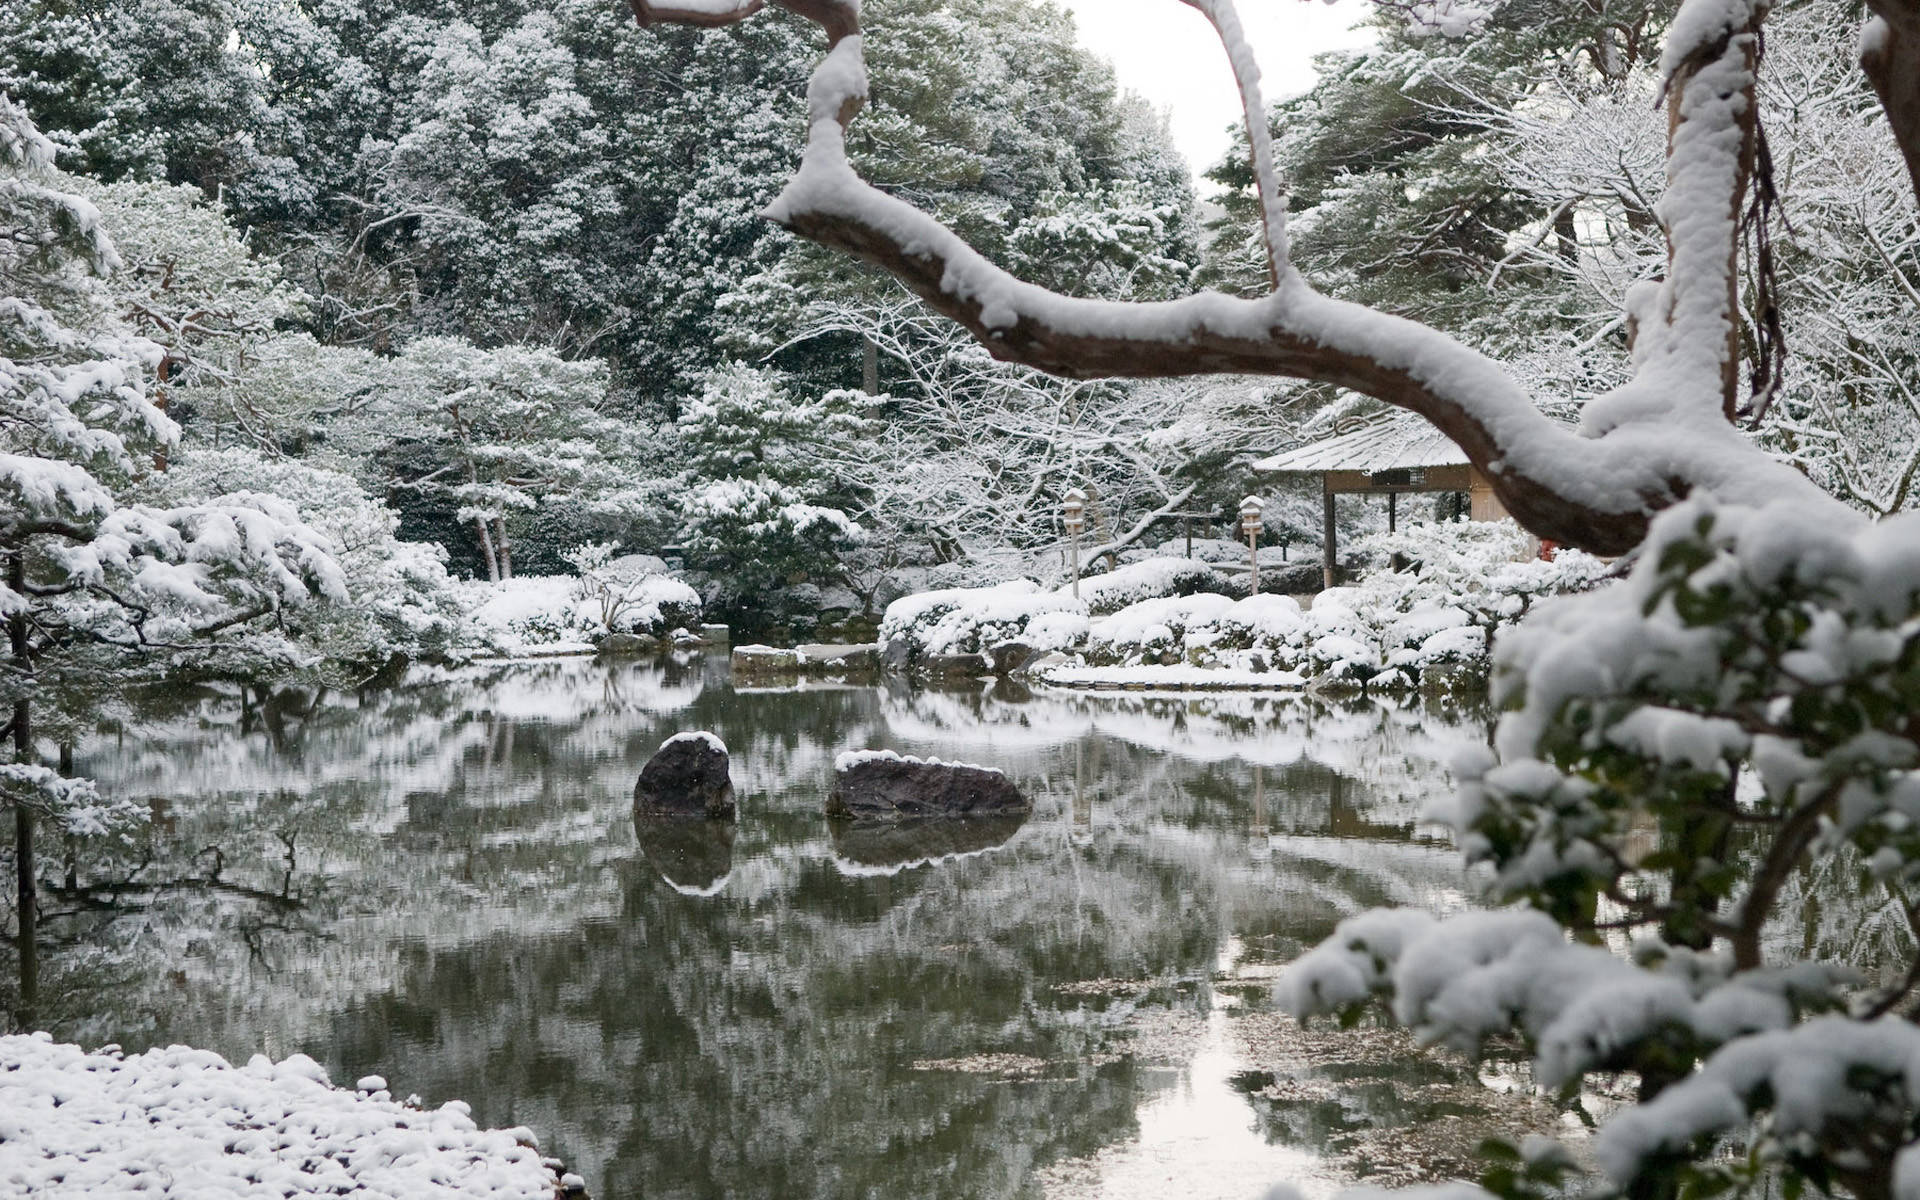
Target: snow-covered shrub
x: 1460, y: 583
x: 970, y: 620
x: 562, y: 614
x: 1744, y: 697
x: 1145, y: 580
x: 631, y: 594
x: 399, y: 598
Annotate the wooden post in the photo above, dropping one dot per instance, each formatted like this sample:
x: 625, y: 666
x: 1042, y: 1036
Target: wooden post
x: 1330, y: 552
x: 1392, y: 524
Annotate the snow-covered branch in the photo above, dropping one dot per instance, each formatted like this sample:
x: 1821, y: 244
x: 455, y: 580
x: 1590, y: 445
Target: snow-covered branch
x: 1643, y: 448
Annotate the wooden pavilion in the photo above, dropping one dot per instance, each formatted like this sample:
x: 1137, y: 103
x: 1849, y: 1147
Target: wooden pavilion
x: 1386, y: 455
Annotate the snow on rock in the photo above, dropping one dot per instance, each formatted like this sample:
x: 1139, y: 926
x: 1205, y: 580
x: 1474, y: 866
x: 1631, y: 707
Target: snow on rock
x: 847, y: 760
x: 697, y: 735
x: 186, y: 1122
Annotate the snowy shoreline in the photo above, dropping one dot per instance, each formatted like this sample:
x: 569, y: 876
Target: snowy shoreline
x: 187, y: 1122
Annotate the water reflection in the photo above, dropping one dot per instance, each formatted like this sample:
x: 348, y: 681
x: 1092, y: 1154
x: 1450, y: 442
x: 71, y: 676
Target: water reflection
x: 691, y: 1009
x: 693, y: 854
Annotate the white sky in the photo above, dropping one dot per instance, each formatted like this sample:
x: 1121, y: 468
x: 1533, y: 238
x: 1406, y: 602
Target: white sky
x: 1168, y: 53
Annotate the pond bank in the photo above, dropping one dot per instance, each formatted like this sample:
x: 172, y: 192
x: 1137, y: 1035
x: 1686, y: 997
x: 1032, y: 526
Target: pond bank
x: 188, y: 1122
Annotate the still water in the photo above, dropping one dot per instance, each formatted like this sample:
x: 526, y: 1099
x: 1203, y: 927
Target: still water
x: 442, y: 883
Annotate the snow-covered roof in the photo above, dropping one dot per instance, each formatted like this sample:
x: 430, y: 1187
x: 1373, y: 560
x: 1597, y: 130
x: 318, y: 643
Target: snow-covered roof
x: 1393, y: 441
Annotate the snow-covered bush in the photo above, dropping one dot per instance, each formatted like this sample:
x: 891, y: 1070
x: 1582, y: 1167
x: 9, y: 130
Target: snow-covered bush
x: 399, y: 599
x: 1744, y: 697
x: 569, y: 614
x: 1460, y: 583
x: 971, y: 620
x: 967, y: 620
x: 1147, y: 579
x: 631, y: 594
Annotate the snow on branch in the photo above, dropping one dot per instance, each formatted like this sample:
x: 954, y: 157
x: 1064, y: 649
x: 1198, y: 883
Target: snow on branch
x: 1464, y: 979
x: 1830, y: 1080
x: 1246, y: 74
x: 1640, y: 451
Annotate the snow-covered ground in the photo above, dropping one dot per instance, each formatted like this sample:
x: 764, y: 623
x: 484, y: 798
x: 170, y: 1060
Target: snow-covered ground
x: 184, y: 1122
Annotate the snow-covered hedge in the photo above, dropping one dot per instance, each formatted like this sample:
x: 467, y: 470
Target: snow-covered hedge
x: 1461, y: 582
x: 184, y: 1122
x: 1147, y: 580
x: 970, y: 620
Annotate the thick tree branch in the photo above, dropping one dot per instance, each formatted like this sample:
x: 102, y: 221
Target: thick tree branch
x: 1640, y: 449
x: 1890, y: 55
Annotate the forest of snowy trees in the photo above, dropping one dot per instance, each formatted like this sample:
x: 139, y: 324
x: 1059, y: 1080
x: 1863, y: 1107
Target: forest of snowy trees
x: 312, y: 311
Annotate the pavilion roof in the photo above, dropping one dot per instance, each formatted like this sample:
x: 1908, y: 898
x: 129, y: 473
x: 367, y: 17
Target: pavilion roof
x: 1393, y: 441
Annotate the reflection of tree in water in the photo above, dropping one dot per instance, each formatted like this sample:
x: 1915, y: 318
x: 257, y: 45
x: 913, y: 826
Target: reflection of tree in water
x: 479, y: 921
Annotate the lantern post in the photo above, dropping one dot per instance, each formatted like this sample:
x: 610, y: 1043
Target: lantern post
x: 1073, y: 514
x: 1251, y: 525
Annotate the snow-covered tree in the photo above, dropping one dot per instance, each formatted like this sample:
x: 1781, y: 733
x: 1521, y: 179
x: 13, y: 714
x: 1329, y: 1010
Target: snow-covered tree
x: 97, y: 582
x: 1744, y: 695
x: 485, y: 436
x: 761, y: 507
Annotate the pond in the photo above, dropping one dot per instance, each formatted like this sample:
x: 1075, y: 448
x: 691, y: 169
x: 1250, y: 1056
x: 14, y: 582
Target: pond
x: 441, y: 883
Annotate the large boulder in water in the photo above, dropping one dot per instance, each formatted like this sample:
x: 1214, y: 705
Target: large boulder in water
x: 879, y: 785
x: 686, y: 777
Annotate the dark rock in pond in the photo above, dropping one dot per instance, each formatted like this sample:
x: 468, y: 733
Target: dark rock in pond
x: 882, y: 786
x: 686, y: 777
x: 621, y: 645
x: 694, y: 857
x: 1009, y: 657
x: 959, y: 666
x: 892, y: 845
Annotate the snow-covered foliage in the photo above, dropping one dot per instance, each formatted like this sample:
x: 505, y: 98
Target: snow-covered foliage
x: 632, y: 593
x: 1456, y: 584
x: 398, y: 597
x: 568, y: 614
x: 1147, y: 579
x: 971, y: 620
x: 1743, y: 699
x: 112, y: 1125
x: 104, y: 574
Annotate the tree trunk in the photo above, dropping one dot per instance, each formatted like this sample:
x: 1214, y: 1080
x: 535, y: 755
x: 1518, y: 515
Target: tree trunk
x: 486, y: 549
x: 869, y: 366
x: 1892, y: 64
x: 504, y: 547
x: 27, y: 893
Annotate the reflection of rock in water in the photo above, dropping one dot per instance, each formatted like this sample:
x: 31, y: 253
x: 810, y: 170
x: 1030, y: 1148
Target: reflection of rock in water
x: 692, y: 854
x: 894, y: 846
